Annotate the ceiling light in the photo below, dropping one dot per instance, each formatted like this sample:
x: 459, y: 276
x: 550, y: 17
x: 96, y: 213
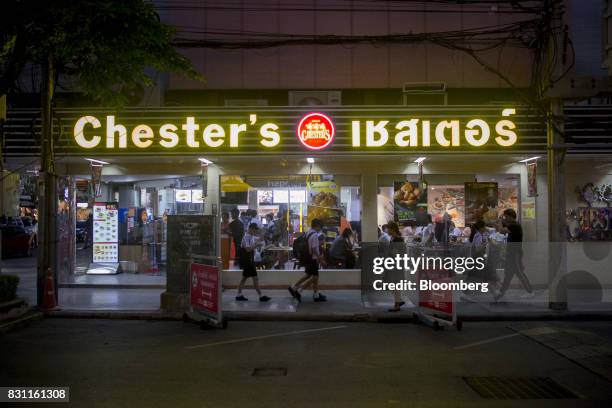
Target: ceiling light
x: 529, y: 159
x: 96, y: 162
x: 310, y: 160
x: 420, y: 160
x: 205, y: 161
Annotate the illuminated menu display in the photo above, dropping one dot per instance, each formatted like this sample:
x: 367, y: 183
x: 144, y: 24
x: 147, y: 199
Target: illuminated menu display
x: 106, y: 232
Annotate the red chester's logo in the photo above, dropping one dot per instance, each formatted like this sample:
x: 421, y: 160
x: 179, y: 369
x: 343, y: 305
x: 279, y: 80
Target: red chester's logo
x: 316, y: 131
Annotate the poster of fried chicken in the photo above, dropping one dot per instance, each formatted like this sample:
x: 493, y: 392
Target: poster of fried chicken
x: 409, y: 201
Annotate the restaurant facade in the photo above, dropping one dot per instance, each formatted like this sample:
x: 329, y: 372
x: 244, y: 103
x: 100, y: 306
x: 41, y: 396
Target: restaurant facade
x: 125, y: 177
x: 357, y: 134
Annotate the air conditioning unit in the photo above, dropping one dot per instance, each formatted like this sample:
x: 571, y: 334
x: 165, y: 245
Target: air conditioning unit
x: 148, y: 96
x: 315, y: 98
x: 425, y: 93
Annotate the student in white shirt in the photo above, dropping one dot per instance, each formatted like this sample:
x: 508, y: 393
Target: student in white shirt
x: 247, y: 249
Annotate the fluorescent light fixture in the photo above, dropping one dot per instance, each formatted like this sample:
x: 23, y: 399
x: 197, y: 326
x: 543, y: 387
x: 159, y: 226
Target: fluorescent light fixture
x: 94, y: 161
x: 205, y: 161
x: 420, y: 160
x: 310, y: 160
x: 529, y: 159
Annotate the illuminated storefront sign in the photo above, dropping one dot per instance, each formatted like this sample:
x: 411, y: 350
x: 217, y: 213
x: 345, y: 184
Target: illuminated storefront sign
x: 314, y: 131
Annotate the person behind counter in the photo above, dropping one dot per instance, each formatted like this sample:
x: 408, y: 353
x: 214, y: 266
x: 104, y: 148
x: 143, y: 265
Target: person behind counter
x: 477, y: 238
x: 384, y: 237
x: 341, y: 250
x: 444, y: 229
x: 236, y: 228
x: 225, y: 221
x: 247, y: 251
x: 270, y: 229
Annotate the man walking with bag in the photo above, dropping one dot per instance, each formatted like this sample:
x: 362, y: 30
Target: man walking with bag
x: 309, y: 255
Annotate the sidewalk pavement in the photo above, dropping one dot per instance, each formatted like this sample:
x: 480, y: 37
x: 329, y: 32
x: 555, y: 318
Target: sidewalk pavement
x: 342, y: 305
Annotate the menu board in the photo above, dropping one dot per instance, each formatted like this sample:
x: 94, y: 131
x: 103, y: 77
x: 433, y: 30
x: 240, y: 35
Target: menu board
x: 447, y: 199
x: 188, y: 235
x: 106, y: 232
x: 182, y: 196
x: 297, y: 196
x: 324, y: 194
x: 281, y: 196
x: 197, y: 196
x: 264, y: 197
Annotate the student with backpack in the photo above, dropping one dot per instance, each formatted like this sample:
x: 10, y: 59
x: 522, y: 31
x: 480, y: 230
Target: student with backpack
x: 247, y: 250
x: 307, y: 250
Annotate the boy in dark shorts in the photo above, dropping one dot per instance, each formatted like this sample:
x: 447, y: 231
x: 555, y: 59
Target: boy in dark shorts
x: 247, y: 249
x: 311, y: 265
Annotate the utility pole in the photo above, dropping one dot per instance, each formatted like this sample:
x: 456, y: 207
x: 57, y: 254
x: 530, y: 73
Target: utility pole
x: 47, y: 196
x: 555, y: 155
x: 557, y: 254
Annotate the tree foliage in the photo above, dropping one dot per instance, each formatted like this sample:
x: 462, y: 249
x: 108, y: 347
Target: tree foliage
x: 102, y: 45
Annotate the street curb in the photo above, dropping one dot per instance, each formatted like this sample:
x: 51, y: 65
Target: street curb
x: 11, y: 304
x: 374, y: 317
x: 22, y: 321
x: 112, y: 314
x: 582, y: 316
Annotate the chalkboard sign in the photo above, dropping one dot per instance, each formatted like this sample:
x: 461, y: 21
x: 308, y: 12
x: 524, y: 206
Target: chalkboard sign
x: 188, y: 236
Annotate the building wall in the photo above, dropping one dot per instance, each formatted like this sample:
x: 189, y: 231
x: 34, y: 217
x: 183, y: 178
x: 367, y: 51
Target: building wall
x: 341, y: 66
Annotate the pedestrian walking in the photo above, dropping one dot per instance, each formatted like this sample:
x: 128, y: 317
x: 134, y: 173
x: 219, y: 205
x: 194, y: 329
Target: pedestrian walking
x: 250, y: 241
x: 390, y: 249
x: 307, y: 249
x: 514, y: 254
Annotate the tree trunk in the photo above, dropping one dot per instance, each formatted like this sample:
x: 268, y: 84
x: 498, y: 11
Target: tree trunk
x: 47, y: 197
x: 2, y: 119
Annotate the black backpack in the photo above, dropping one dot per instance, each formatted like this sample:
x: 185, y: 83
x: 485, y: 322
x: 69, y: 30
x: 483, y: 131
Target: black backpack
x: 300, y: 247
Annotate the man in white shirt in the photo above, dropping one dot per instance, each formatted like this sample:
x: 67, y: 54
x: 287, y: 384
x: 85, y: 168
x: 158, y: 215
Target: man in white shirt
x: 311, y: 264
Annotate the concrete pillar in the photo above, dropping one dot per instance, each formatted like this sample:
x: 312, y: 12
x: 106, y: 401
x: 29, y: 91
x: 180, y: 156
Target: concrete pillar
x: 369, y: 210
x: 212, y: 190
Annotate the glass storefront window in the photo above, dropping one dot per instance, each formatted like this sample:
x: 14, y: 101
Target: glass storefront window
x: 283, y: 207
x: 138, y: 252
x: 456, y: 200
